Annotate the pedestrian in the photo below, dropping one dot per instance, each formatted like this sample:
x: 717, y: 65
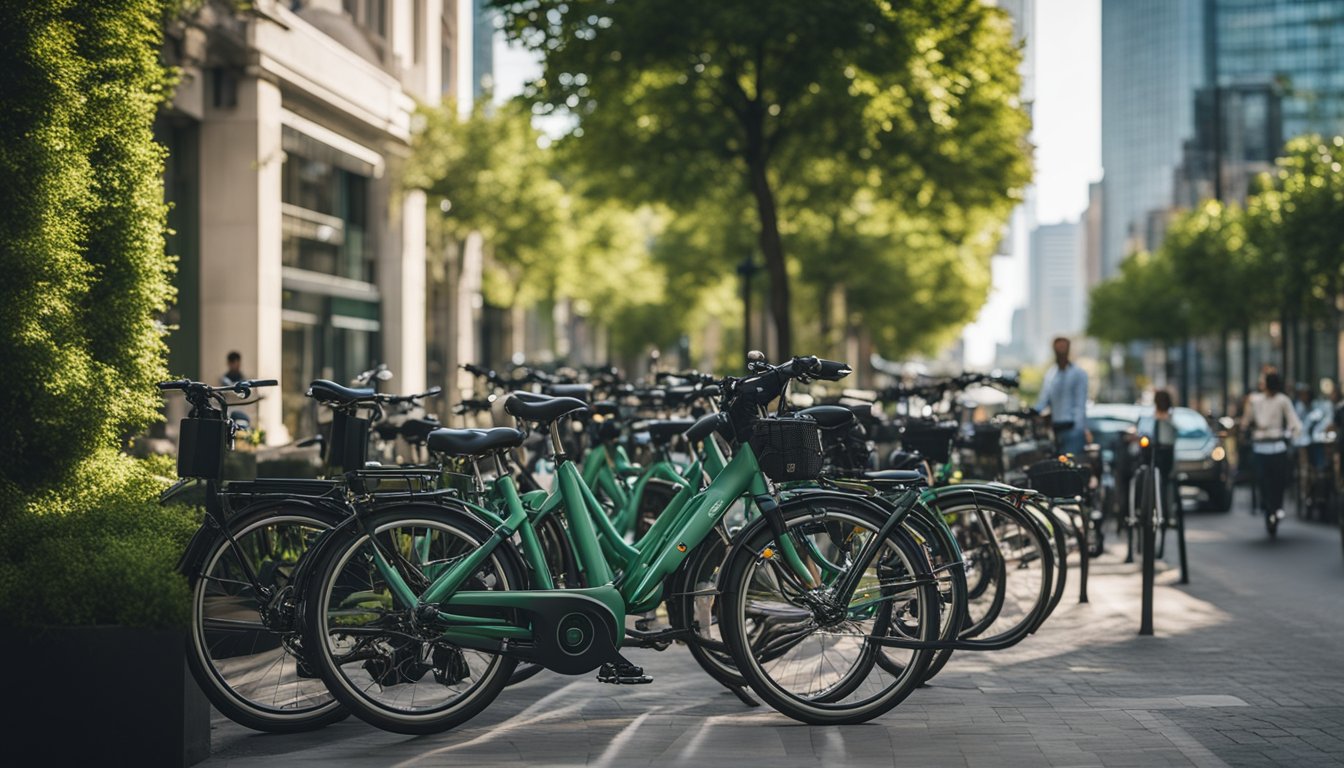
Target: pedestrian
x: 1064, y: 392
x: 1164, y: 435
x: 1272, y: 423
x: 235, y: 372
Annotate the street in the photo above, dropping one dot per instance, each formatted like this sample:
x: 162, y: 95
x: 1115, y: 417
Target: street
x: 1245, y: 669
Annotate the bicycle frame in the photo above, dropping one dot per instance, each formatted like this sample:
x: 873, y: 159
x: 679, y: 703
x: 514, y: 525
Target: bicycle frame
x: 639, y: 587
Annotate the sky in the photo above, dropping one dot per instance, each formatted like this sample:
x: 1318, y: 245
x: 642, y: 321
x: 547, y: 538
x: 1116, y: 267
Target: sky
x: 1066, y: 133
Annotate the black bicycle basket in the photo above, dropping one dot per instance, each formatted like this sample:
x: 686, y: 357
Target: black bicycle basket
x: 1058, y: 478
x: 348, y: 447
x: 986, y: 438
x: 200, y: 448
x: 931, y: 440
x: 787, y: 449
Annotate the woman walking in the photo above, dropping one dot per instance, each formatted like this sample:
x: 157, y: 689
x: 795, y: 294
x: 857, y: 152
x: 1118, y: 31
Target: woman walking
x: 1272, y: 423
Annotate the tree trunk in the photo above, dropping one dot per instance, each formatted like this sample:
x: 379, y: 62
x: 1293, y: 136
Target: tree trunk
x: 772, y: 249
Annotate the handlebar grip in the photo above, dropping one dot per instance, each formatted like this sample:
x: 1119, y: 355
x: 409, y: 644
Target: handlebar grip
x: 178, y: 384
x: 832, y: 370
x: 254, y: 383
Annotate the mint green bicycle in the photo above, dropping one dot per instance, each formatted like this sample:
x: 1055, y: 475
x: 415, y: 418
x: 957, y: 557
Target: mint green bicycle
x: 417, y: 616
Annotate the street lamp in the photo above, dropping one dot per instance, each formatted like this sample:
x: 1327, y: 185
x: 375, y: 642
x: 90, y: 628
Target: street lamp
x: 746, y: 270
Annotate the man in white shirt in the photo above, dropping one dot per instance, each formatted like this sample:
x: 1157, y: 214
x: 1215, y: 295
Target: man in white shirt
x: 1064, y: 392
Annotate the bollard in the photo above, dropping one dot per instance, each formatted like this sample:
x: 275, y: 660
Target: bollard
x: 1149, y: 509
x: 1083, y: 553
x: 1180, y: 538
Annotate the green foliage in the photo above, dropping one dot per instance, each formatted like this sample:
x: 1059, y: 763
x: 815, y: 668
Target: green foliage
x: 81, y: 241
x: 1296, y: 223
x: 1143, y: 301
x: 801, y: 111
x: 1222, y: 267
x: 100, y: 552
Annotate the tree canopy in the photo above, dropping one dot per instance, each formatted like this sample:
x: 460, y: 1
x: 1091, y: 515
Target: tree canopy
x: 906, y: 115
x: 1222, y: 267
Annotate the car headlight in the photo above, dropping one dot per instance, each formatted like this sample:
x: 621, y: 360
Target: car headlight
x: 1218, y: 453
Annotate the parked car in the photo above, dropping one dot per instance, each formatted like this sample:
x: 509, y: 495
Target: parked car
x: 1202, y: 463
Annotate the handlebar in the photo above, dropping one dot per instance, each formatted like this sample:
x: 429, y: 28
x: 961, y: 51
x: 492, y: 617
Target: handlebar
x: 199, y: 394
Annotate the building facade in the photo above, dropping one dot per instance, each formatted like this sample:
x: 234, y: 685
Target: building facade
x: 1152, y: 61
x: 1055, y: 287
x: 298, y: 245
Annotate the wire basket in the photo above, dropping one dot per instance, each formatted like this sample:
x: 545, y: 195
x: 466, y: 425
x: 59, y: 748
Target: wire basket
x: 787, y: 449
x: 1058, y: 478
x: 932, y: 441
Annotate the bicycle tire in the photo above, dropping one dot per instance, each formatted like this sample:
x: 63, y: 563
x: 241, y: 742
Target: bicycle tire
x: 899, y: 555
x: 334, y: 584
x: 213, y: 644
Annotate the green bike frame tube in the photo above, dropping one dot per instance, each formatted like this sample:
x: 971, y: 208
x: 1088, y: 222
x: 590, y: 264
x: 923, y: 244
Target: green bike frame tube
x: 642, y: 584
x: 581, y: 523
x: 452, y: 579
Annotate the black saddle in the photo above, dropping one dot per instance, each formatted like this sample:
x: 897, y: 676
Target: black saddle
x: 330, y: 392
x: 606, y: 408
x: 541, y: 409
x: 705, y: 426
x: 829, y: 416
x: 576, y: 391
x: 417, y: 430
x: 904, y: 476
x: 473, y: 442
x: 661, y: 431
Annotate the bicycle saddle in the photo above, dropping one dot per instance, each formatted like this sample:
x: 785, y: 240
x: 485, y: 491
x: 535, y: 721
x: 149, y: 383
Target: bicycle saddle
x: 576, y: 391
x: 896, y: 475
x: 541, y: 409
x: 473, y: 442
x: 417, y: 430
x: 829, y: 416
x: 706, y: 426
x: 325, y: 391
x: 663, y: 430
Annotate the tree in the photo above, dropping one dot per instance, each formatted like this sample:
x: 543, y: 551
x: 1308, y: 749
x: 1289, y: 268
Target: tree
x: 675, y: 100
x: 1143, y: 301
x: 1296, y: 225
x: 1219, y: 274
x: 81, y: 241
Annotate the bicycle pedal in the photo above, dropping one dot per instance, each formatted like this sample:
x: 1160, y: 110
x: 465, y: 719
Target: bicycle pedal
x: 623, y: 674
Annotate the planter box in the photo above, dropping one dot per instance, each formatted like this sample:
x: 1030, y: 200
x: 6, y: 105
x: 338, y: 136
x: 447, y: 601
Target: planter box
x: 105, y: 695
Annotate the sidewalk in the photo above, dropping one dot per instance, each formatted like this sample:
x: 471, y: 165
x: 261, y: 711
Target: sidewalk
x: 1247, y: 668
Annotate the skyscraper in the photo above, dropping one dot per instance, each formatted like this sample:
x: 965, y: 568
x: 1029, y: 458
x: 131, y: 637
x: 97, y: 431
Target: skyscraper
x: 1298, y: 45
x: 1151, y: 64
x: 1055, y: 286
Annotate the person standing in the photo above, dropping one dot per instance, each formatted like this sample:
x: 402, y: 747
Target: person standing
x: 235, y: 372
x: 1272, y: 424
x: 1064, y: 392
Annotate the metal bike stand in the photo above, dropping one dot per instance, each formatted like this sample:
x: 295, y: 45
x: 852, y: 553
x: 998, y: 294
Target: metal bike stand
x: 1180, y: 537
x: 1086, y: 543
x: 1149, y: 539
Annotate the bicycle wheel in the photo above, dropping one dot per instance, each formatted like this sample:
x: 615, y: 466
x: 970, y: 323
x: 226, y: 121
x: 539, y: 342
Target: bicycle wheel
x: 244, y: 647
x: 693, y: 603
x: 812, y: 654
x: 1012, y: 551
x: 950, y: 575
x: 380, y: 660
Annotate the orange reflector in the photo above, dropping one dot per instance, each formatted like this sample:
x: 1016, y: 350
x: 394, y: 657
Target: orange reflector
x: 1143, y: 441
x: 681, y: 547
x: 1063, y: 459
x: 768, y: 553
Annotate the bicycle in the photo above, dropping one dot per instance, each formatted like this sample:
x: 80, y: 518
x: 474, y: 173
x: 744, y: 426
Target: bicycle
x: 438, y: 581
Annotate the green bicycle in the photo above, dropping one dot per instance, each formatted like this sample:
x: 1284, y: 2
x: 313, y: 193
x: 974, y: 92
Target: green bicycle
x: 429, y: 593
